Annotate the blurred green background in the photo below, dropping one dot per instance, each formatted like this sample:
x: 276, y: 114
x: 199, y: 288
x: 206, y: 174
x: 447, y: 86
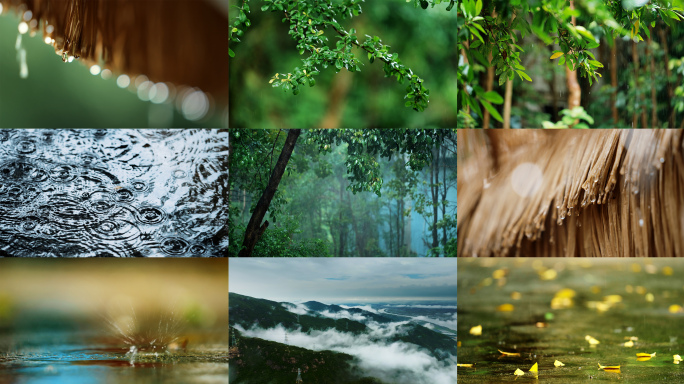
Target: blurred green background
x: 67, y: 95
x: 424, y: 39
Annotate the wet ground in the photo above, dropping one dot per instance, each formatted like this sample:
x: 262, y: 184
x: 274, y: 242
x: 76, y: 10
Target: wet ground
x: 76, y: 357
x: 579, y: 312
x: 122, y: 193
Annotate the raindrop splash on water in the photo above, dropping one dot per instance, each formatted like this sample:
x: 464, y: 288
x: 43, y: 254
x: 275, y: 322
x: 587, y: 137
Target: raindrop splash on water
x: 112, y: 193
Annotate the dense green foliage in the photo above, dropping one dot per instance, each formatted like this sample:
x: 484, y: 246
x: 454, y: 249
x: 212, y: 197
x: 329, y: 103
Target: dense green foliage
x: 540, y: 33
x: 340, y: 191
x: 262, y: 361
x: 321, y: 38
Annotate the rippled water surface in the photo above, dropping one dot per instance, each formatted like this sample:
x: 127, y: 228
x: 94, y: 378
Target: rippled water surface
x: 80, y: 357
x: 125, y: 193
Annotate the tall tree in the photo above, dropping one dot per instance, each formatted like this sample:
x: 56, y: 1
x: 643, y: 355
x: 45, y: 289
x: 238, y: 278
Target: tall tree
x: 255, y: 228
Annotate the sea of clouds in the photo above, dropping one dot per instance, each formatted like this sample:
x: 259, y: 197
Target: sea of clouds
x: 376, y: 355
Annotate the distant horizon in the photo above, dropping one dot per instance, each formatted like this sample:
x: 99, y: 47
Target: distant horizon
x: 345, y: 280
x: 377, y: 300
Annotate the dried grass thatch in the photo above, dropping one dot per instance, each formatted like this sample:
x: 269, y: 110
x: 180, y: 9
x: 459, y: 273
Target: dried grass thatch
x: 178, y: 41
x: 570, y: 193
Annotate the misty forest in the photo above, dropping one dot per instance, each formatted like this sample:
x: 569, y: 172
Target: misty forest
x: 343, y: 192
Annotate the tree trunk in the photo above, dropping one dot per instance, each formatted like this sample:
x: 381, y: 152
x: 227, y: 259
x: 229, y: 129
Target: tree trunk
x: 444, y: 197
x: 488, y: 87
x: 654, y: 101
x: 614, y: 81
x: 508, y: 96
x: 343, y: 226
x: 434, y: 189
x: 635, y: 60
x: 390, y: 241
x: 574, y: 90
x: 254, y: 228
x: 552, y: 87
x: 337, y: 97
x: 670, y: 92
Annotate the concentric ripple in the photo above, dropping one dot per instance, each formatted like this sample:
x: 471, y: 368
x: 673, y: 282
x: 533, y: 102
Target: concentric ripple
x: 123, y: 193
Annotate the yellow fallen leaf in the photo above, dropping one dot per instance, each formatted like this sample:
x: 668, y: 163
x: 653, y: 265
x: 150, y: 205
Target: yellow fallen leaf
x: 534, y: 368
x: 499, y: 273
x: 509, y: 353
x: 668, y: 271
x: 566, y: 292
x: 612, y: 299
x: 649, y: 297
x: 558, y: 364
x: 477, y: 330
x: 633, y: 338
x: 674, y: 308
x: 563, y: 299
x: 591, y: 340
x: 628, y: 344
x: 518, y: 372
x: 646, y: 354
x: 464, y: 365
x: 609, y: 367
x: 677, y: 358
x: 516, y: 295
x: 458, y: 343
x: 505, y: 308
x: 549, y: 274
x: 644, y: 358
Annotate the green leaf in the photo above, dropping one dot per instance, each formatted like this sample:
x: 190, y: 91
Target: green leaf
x: 479, y: 57
x: 231, y: 53
x: 492, y: 110
x: 493, y: 97
x: 586, y: 34
x: 523, y: 75
x: 478, y: 7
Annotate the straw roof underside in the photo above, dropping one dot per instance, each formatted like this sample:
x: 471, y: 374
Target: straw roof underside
x: 598, y: 193
x: 178, y: 41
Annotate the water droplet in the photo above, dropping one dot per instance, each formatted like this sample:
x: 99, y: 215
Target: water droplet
x: 641, y: 222
x: 62, y: 173
x: 26, y: 147
x: 124, y: 194
x: 179, y: 174
x: 662, y: 159
x: 95, y: 70
x: 197, y: 250
x: 174, y: 246
x: 29, y: 223
x: 150, y: 215
x: 23, y: 27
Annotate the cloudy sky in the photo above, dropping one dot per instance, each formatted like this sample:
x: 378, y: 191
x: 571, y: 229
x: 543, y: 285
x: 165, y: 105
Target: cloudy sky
x: 340, y: 280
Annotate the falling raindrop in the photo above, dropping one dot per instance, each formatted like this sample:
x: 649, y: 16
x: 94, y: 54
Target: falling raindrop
x: 21, y: 54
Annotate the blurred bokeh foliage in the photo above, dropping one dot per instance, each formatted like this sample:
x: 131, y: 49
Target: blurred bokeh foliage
x: 423, y: 39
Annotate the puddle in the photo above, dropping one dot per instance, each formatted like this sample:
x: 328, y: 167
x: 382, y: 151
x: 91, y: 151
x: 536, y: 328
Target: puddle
x: 557, y: 307
x: 119, y: 192
x: 58, y: 357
